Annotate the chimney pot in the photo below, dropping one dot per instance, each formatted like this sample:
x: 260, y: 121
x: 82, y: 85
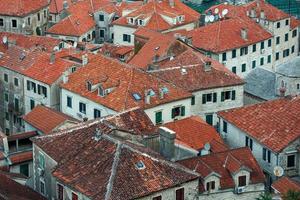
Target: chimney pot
x: 52, y: 58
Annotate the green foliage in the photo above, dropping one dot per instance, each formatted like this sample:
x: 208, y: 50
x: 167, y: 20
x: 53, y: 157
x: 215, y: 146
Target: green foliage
x: 292, y: 195
x: 264, y: 196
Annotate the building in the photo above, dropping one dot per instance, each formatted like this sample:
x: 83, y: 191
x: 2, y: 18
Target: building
x: 119, y: 173
x: 232, y: 174
x: 45, y: 120
x: 214, y: 87
x: 161, y: 16
x: 270, y: 130
x: 26, y: 17
x: 122, y: 53
x: 57, y: 10
x: 249, y: 36
x: 283, y: 185
x: 97, y: 90
x: 262, y: 85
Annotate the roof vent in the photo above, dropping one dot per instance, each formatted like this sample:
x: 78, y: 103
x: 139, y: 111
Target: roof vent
x: 140, y: 165
x: 98, y: 134
x: 183, y: 71
x: 22, y: 56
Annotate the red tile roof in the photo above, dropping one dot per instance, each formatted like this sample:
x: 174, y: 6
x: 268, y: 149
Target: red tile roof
x: 129, y: 81
x: 194, y: 132
x: 275, y: 124
x: 225, y: 35
x: 196, y: 78
x: 294, y: 23
x: 155, y: 11
x: 284, y: 184
x: 20, y: 157
x: 104, y: 175
x: 10, y: 189
x: 21, y: 7
x: 20, y: 136
x: 46, y: 119
x: 233, y: 160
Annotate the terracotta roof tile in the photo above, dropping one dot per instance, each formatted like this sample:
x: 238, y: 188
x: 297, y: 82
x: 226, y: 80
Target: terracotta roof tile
x: 275, y: 124
x: 46, y: 119
x: 194, y: 132
x: 207, y: 164
x: 20, y: 157
x: 284, y: 184
x: 21, y: 7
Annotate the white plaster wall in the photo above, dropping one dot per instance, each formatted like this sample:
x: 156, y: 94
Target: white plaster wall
x: 118, y: 35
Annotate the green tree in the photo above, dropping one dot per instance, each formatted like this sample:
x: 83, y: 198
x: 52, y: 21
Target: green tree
x: 291, y: 195
x: 264, y: 196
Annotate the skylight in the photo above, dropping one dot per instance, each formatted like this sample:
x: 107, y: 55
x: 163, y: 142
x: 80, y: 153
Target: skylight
x: 165, y: 90
x: 151, y: 93
x: 136, y: 96
x: 140, y: 165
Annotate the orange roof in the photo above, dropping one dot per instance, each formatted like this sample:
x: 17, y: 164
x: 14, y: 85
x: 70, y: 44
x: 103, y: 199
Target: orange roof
x: 294, y: 23
x: 284, y: 184
x: 21, y: 7
x: 130, y: 81
x: 275, y: 124
x: 20, y: 157
x: 154, y: 11
x: 46, y: 119
x: 225, y: 35
x: 194, y: 132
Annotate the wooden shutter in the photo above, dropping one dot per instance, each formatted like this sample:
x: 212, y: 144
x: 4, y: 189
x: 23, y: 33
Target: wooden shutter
x: 203, y: 98
x: 173, y: 113
x: 180, y: 194
x: 233, y: 95
x: 214, y: 97
x: 182, y: 111
x: 222, y: 96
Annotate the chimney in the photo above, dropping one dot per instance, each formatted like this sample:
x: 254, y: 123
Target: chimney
x: 172, y: 3
x: 98, y: 134
x: 65, y: 77
x: 52, y: 58
x: 167, y: 142
x: 147, y: 97
x: 65, y: 5
x: 85, y: 59
x: 161, y: 93
x: 262, y: 14
x: 252, y: 13
x: 207, y: 66
x: 244, y: 34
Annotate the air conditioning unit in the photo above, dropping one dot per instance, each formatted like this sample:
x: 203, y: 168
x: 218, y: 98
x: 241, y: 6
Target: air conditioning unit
x: 240, y: 190
x: 262, y: 51
x: 41, y: 171
x: 79, y: 115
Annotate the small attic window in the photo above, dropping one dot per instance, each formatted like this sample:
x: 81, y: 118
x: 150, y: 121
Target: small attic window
x: 181, y: 18
x: 151, y: 93
x: 101, y: 92
x: 136, y: 96
x: 141, y: 22
x: 89, y: 86
x: 165, y: 90
x: 140, y: 165
x: 22, y: 56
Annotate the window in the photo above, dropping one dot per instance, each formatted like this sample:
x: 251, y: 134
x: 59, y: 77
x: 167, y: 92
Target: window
x: 224, y: 56
x: 210, y: 97
x: 261, y: 61
x: 244, y: 51
x: 178, y: 111
x: 193, y: 100
x: 291, y: 161
x: 126, y: 38
x: 97, y: 113
x: 32, y: 104
x: 74, y: 196
x: 28, y: 20
x: 209, y: 119
x: 277, y: 56
x: 45, y: 14
x: 286, y: 52
x: 180, y: 194
x: 278, y: 40
x: 101, y: 33
x: 234, y: 53
x: 269, y: 43
x: 16, y: 82
x: 298, y: 86
x: 6, y: 78
x: 278, y: 25
x: 82, y: 107
x: 233, y: 69
x: 294, y: 33
x: 7, y: 131
x: 262, y: 45
x: 24, y: 169
x: 269, y: 58
x: 6, y: 116
x: 228, y: 95
x: 39, y: 16
x: 286, y: 37
x: 42, y: 187
x: 69, y: 102
x: 101, y: 18
x: 6, y: 96
x: 286, y: 22
x: 16, y: 104
x: 1, y: 22
x: 242, y: 181
x: 266, y: 155
x: 244, y: 67
x: 224, y: 127
x: 210, y: 185
x: 157, y: 198
x: 14, y: 23
x: 42, y: 90
x: 60, y: 192
x: 249, y: 142
x: 158, y: 117
x: 293, y: 49
x: 254, y: 48
x: 253, y: 64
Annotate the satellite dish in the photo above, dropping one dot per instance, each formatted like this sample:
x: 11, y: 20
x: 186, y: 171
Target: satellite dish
x: 224, y: 12
x: 207, y: 146
x: 211, y: 18
x: 56, y: 48
x: 216, y: 17
x: 4, y: 39
x: 206, y: 19
x: 278, y: 171
x: 216, y: 10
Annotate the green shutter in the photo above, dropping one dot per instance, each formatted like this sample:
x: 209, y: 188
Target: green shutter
x: 182, y: 111
x: 222, y: 96
x: 233, y: 95
x: 158, y: 117
x: 203, y: 98
x: 193, y: 100
x: 173, y: 113
x: 215, y: 97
